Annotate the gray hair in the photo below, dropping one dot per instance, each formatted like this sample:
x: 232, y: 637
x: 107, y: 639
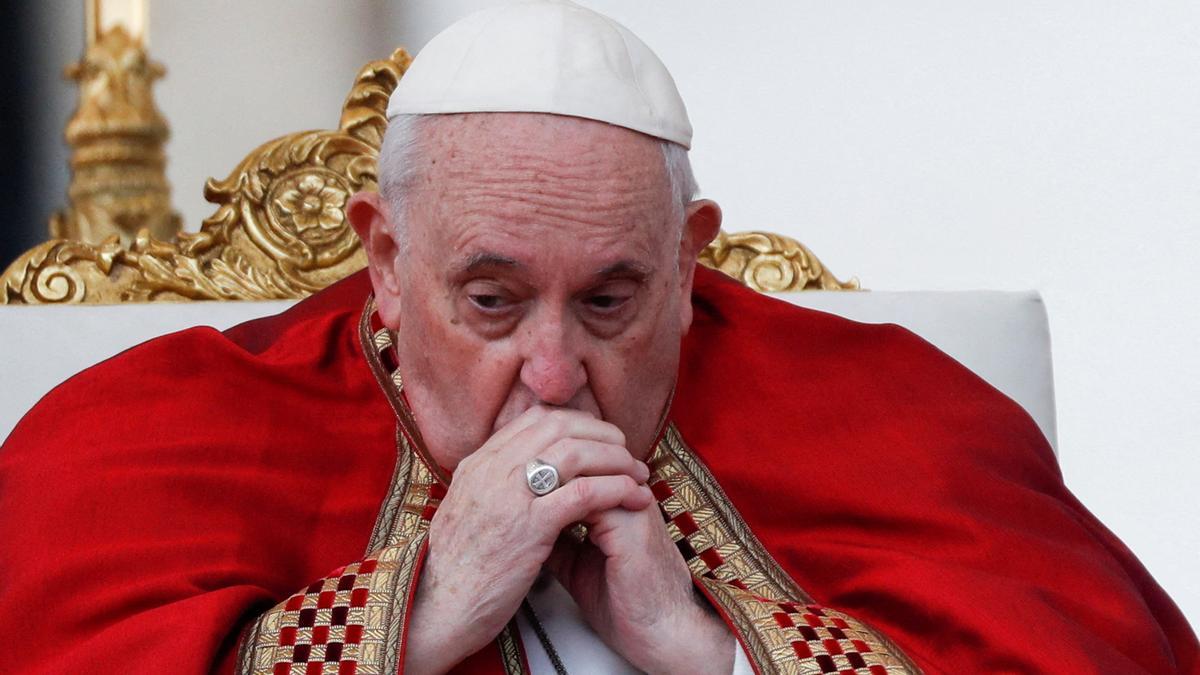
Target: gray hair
x: 398, y: 171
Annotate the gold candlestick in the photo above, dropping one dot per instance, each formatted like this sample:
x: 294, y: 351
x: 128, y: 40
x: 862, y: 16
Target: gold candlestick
x: 132, y: 15
x: 118, y: 182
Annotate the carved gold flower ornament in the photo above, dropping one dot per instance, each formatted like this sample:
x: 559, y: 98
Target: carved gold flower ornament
x: 312, y: 202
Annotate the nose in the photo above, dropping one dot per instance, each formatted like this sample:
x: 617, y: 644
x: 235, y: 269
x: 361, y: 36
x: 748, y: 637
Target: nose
x: 553, y: 368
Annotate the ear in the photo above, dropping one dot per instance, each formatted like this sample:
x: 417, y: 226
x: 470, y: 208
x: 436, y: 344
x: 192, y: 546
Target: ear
x: 372, y: 220
x: 702, y: 222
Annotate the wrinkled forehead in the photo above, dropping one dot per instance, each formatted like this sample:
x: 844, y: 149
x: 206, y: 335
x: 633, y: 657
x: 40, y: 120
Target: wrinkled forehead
x: 535, y: 175
x: 522, y: 131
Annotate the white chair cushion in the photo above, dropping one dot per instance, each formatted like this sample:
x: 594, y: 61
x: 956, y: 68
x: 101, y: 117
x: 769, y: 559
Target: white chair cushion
x: 1003, y: 337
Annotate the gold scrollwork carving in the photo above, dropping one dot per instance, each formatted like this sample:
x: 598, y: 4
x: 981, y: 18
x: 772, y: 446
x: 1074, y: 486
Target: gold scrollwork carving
x: 280, y: 229
x: 771, y: 263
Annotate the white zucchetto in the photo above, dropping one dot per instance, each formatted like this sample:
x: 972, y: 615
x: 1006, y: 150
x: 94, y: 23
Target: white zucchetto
x: 547, y: 56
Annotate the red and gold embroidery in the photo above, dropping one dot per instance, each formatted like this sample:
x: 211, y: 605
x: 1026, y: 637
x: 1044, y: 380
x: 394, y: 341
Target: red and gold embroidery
x: 780, y: 626
x: 352, y: 621
x: 340, y: 624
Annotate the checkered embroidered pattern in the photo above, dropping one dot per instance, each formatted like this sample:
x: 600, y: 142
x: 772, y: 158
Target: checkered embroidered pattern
x: 352, y: 621
x: 346, y: 623
x: 782, y: 629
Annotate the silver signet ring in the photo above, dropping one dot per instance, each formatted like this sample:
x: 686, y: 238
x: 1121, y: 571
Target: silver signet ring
x: 541, y: 477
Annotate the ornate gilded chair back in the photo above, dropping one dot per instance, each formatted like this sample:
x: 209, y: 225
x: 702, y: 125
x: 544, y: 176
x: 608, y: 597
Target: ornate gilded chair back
x: 280, y: 229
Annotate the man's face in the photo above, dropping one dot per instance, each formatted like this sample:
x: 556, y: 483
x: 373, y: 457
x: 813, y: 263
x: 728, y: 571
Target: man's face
x: 542, y: 268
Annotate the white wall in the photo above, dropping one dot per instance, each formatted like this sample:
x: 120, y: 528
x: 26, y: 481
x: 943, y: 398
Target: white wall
x: 918, y: 145
x: 242, y: 73
x: 964, y: 145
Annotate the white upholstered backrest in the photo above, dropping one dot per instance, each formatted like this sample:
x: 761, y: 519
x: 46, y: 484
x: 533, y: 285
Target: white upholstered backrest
x: 1001, y: 336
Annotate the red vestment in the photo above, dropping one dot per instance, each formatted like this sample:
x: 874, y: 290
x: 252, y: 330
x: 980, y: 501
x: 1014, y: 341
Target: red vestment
x: 154, y: 505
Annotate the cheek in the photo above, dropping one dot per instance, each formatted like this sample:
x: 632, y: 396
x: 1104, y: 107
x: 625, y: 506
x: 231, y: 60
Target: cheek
x: 455, y: 382
x: 454, y: 362
x: 641, y: 363
x: 634, y: 385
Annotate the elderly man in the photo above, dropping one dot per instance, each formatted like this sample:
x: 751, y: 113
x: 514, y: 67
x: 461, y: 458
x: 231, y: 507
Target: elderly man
x: 548, y: 442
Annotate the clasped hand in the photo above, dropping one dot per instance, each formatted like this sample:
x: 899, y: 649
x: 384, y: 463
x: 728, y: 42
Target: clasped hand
x: 491, y: 537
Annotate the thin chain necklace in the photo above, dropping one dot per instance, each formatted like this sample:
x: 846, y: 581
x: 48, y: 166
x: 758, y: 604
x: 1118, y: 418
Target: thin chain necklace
x: 543, y: 638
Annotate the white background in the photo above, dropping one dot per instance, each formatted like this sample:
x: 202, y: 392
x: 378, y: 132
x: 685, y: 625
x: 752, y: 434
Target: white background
x: 916, y: 145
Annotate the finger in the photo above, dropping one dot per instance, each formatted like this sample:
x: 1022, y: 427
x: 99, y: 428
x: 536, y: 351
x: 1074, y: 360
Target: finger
x: 579, y: 498
x: 496, y: 445
x: 619, y: 529
x: 573, y: 457
x: 557, y: 424
x: 517, y: 425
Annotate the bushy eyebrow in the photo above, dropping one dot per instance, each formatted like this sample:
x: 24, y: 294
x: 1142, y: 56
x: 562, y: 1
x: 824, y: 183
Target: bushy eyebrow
x: 484, y: 260
x: 623, y: 269
x: 627, y: 269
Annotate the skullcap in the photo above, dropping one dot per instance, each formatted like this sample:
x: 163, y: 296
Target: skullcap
x: 545, y: 56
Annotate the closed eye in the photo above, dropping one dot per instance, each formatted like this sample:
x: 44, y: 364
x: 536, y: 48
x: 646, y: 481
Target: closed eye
x: 605, y: 303
x: 487, y: 302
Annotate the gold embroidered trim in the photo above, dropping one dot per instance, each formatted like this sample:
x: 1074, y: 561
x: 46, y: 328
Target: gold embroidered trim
x: 510, y: 650
x: 796, y: 638
x: 410, y: 501
x: 354, y: 615
x: 246, y: 647
x: 377, y: 342
x: 385, y: 522
x: 401, y: 592
x: 721, y: 526
x: 780, y: 626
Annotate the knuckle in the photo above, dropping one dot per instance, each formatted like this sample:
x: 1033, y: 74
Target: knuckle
x: 553, y: 422
x: 466, y: 463
x: 613, y: 454
x: 583, y: 491
x: 562, y: 454
x: 617, y: 458
x: 516, y: 473
x: 472, y: 462
x: 561, y: 448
